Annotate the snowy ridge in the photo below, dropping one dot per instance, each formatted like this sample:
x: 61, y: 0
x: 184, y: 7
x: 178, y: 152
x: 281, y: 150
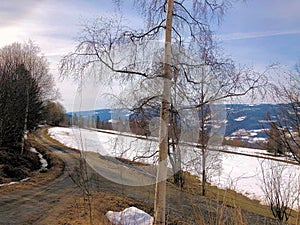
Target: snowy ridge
x: 239, y: 117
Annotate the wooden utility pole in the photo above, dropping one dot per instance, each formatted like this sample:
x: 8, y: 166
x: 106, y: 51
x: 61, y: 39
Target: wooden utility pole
x: 160, y: 189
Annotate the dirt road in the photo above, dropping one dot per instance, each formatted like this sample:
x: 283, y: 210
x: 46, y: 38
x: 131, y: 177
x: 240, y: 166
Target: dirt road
x: 32, y: 203
x: 39, y: 204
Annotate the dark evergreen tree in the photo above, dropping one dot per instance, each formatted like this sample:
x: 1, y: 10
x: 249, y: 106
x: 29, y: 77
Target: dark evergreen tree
x: 20, y: 106
x: 98, y: 122
x: 75, y: 120
x: 275, y: 143
x: 25, y: 85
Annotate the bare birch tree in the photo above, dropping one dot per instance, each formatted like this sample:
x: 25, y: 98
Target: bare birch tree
x: 287, y: 123
x: 105, y: 44
x: 29, y: 54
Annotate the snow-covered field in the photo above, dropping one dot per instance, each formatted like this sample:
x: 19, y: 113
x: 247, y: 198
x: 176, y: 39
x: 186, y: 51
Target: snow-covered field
x: 238, y: 172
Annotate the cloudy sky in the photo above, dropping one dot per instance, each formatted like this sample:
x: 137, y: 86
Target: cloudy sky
x: 255, y: 32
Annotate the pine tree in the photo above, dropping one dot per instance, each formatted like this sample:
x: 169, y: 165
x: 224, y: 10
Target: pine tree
x: 275, y: 144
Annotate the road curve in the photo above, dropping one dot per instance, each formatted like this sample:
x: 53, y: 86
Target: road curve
x: 39, y: 204
x: 33, y: 203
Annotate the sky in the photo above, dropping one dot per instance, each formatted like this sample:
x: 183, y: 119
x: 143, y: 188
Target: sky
x: 255, y: 33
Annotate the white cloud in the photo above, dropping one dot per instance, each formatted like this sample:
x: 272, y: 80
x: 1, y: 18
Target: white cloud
x: 249, y: 35
x: 12, y: 11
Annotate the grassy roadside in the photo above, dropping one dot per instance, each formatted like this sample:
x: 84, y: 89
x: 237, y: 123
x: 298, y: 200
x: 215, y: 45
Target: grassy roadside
x: 234, y: 200
x: 226, y: 198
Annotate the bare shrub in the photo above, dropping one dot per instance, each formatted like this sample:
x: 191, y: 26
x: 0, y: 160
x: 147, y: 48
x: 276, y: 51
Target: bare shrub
x: 281, y: 189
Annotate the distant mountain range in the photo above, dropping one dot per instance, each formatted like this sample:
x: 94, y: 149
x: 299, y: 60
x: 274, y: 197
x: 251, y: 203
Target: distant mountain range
x: 244, y: 121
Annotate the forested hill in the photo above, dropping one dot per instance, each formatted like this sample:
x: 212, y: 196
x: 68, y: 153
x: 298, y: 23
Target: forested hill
x: 244, y: 121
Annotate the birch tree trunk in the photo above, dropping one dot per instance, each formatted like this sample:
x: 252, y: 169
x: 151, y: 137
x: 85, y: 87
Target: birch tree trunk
x: 160, y: 189
x: 25, y: 120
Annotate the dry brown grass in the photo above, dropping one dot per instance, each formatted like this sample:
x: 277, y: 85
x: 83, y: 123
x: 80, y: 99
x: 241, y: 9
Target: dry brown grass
x: 234, y: 200
x: 75, y: 213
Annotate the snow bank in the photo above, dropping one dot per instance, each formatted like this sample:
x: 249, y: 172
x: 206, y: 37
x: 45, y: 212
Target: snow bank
x: 130, y: 216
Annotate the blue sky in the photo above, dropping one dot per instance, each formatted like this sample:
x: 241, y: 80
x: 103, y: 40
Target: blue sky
x: 255, y: 32
x: 262, y: 32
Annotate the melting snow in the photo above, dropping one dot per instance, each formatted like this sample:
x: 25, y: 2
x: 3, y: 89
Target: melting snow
x: 42, y: 160
x: 130, y: 216
x: 15, y: 182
